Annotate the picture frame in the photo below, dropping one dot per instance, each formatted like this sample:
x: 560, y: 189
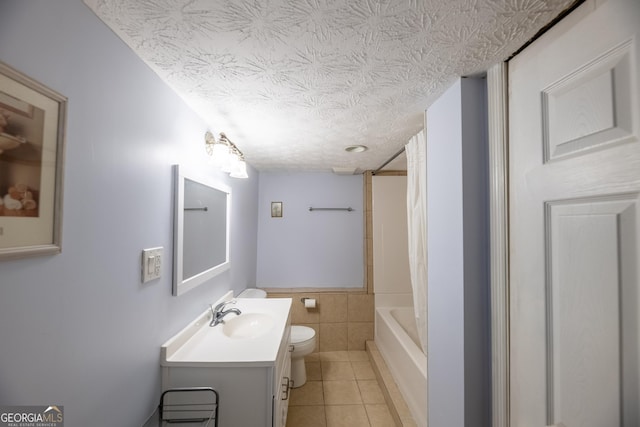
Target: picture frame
x: 276, y: 209
x: 32, y: 145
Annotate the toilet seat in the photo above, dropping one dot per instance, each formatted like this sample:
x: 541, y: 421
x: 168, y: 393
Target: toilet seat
x: 300, y: 334
x: 303, y: 339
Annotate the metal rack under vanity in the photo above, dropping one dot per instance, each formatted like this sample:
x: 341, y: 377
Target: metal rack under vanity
x: 189, y: 405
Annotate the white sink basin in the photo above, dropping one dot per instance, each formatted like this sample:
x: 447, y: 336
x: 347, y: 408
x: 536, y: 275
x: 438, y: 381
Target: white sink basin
x: 253, y: 337
x: 250, y: 325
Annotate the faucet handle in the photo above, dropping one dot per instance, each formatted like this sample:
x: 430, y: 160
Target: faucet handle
x: 222, y: 305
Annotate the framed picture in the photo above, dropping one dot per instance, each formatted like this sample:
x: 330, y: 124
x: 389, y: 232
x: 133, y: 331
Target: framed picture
x: 32, y: 130
x: 276, y: 209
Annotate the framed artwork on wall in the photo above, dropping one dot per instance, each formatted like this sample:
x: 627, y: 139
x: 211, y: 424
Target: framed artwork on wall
x: 32, y: 132
x: 276, y: 209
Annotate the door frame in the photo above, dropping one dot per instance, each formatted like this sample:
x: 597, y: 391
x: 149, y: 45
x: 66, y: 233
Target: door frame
x: 497, y: 100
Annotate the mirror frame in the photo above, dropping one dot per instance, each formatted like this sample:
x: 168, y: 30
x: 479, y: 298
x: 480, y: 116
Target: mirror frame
x: 180, y: 284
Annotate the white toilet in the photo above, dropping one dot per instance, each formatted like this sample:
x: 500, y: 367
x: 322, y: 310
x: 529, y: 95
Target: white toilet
x: 303, y: 340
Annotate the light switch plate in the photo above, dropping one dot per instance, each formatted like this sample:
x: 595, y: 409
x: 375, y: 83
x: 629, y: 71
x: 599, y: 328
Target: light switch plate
x: 151, y: 264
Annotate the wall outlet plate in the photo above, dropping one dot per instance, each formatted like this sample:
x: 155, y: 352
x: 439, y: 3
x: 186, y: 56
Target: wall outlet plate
x: 151, y: 264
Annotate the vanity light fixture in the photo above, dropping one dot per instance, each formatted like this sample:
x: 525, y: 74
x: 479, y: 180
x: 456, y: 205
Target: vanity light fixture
x: 225, y: 155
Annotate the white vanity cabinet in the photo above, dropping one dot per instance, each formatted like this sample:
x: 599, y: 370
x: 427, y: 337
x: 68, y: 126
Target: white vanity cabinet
x: 283, y: 383
x: 254, y: 388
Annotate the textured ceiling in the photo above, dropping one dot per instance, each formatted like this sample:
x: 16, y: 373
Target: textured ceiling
x: 293, y: 82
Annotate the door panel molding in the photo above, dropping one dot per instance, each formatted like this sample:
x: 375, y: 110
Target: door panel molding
x: 585, y: 306
x: 580, y: 95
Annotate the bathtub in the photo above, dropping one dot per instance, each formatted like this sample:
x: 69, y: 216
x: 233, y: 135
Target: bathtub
x: 396, y: 336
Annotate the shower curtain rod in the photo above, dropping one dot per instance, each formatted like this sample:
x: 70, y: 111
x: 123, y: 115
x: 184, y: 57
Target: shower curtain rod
x: 389, y: 161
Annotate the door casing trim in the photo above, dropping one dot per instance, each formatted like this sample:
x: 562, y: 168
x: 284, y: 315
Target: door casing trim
x: 497, y: 97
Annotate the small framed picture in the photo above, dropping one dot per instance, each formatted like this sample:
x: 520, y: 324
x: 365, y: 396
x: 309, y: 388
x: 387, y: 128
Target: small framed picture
x: 276, y: 209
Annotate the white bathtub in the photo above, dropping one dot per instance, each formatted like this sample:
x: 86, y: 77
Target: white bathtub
x: 404, y: 357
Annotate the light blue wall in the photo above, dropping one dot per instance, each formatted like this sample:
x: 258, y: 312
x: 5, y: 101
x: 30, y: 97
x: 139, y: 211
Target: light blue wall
x: 477, y: 317
x: 445, y: 249
x: 457, y: 239
x: 311, y: 249
x: 79, y: 329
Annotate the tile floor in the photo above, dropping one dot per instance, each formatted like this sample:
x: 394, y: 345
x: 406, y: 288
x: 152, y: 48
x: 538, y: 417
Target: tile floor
x: 341, y: 390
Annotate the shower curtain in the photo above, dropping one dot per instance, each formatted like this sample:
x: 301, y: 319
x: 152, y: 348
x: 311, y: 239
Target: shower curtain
x: 416, y: 152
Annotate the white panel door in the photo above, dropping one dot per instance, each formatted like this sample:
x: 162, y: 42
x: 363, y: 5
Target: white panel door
x: 574, y: 204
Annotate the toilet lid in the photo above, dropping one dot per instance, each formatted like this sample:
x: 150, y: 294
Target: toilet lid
x: 301, y: 333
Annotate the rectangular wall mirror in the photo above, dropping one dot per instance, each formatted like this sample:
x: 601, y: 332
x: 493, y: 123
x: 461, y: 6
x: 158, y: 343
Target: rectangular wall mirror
x: 200, y: 230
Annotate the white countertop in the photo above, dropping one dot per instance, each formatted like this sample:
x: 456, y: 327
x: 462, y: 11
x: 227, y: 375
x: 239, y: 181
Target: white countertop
x: 198, y: 344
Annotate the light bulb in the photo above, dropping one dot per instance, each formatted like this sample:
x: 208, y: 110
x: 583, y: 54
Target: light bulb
x: 220, y: 155
x: 240, y: 171
x: 230, y: 165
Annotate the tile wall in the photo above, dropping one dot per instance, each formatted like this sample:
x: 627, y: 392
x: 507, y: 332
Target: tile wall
x: 343, y: 320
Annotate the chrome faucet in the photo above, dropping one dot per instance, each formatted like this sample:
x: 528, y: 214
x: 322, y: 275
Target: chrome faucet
x: 218, y: 312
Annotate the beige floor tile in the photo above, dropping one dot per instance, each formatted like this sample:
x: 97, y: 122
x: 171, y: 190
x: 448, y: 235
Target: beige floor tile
x: 358, y: 355
x: 306, y: 416
x: 379, y: 415
x: 341, y: 393
x: 314, y: 372
x: 334, y: 356
x: 311, y: 393
x: 346, y: 416
x: 329, y: 399
x: 363, y: 370
x: 370, y: 391
x: 409, y: 422
x: 337, y: 371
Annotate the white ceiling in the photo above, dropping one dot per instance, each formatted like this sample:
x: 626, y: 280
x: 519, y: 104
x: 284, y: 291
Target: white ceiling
x: 293, y: 82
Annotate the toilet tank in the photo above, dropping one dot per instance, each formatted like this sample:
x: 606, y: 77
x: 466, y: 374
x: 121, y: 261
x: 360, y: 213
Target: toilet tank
x: 252, y: 293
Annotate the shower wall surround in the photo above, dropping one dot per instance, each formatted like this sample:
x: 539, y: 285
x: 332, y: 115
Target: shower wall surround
x: 391, y: 278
